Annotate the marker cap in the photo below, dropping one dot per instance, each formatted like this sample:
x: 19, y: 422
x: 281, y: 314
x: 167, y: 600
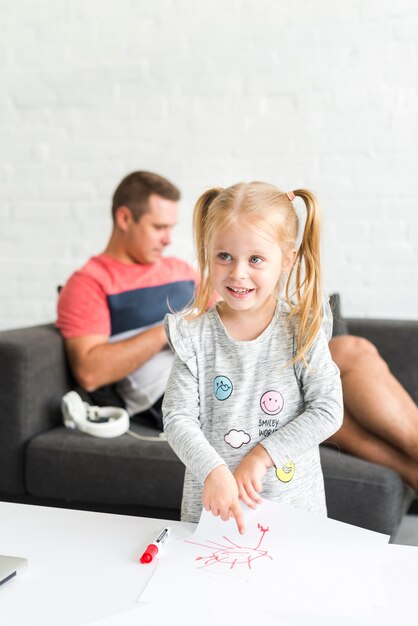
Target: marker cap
x: 149, y: 554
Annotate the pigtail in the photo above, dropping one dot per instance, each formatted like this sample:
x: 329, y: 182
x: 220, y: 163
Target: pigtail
x: 200, y: 227
x: 307, y: 278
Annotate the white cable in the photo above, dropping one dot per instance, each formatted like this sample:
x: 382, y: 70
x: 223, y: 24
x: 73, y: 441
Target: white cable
x: 161, y: 437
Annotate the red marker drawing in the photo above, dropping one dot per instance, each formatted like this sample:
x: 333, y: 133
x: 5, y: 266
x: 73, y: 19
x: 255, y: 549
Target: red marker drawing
x: 154, y: 548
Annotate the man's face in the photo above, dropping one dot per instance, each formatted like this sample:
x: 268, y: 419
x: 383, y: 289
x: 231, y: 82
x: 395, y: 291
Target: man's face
x: 145, y: 240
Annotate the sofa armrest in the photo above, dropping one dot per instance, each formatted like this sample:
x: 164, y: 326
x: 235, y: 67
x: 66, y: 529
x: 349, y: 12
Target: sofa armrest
x: 33, y: 378
x: 397, y: 342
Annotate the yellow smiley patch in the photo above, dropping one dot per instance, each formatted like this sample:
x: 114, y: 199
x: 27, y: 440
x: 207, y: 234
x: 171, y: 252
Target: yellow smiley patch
x: 286, y: 473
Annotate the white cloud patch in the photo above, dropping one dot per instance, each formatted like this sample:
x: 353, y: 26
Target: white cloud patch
x: 237, y: 438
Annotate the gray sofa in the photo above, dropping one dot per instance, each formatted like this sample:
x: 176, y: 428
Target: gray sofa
x: 42, y: 462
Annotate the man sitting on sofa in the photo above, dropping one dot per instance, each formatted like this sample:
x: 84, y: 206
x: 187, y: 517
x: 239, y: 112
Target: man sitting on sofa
x: 110, y: 311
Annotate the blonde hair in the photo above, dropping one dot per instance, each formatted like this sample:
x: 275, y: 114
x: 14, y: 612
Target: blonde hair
x: 268, y: 209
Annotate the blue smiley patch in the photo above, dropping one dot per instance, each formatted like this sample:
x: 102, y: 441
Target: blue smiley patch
x: 222, y: 387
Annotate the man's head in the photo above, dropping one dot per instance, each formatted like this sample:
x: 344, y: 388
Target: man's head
x: 144, y: 211
x: 135, y: 190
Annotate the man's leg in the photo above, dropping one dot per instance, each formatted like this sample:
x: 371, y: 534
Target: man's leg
x: 380, y: 418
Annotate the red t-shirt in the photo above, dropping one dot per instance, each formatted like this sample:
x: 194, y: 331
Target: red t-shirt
x: 109, y: 297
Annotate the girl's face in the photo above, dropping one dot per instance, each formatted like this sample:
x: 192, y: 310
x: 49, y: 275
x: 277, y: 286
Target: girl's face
x: 245, y: 266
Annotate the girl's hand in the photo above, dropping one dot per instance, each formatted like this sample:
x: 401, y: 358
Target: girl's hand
x: 250, y: 473
x: 220, y: 495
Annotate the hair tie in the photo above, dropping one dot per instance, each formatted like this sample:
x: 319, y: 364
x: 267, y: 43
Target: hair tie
x: 290, y: 195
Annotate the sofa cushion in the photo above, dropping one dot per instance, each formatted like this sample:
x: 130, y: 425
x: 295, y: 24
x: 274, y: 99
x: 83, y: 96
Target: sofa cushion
x: 69, y: 465
x: 363, y: 493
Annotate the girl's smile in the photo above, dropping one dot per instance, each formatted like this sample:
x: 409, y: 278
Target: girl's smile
x: 239, y: 292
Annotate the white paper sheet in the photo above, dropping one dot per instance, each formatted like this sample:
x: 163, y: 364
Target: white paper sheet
x: 286, y: 559
x: 400, y: 568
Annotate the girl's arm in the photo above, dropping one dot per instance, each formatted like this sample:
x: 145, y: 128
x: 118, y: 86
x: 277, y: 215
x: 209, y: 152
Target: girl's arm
x: 182, y: 424
x: 184, y: 434
x: 323, y: 415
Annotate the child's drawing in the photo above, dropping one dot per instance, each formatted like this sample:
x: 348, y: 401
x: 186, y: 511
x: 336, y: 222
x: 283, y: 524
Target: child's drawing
x: 232, y: 554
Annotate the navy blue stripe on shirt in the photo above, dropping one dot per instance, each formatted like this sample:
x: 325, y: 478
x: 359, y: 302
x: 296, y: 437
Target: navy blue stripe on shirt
x: 141, y: 307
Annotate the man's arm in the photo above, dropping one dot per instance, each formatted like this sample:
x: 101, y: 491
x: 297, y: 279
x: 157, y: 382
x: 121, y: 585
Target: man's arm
x: 96, y: 362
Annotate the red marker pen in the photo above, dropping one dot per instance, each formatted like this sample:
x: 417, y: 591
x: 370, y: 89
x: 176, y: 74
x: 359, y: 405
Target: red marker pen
x: 154, y: 548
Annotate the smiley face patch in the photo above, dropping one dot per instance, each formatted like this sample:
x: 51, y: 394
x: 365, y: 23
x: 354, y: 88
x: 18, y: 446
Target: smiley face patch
x: 285, y: 474
x: 222, y: 387
x: 271, y: 402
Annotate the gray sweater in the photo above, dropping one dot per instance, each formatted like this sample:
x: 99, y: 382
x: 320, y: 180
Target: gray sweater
x: 224, y: 396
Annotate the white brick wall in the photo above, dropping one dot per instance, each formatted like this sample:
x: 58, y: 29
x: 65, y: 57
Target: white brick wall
x: 311, y: 93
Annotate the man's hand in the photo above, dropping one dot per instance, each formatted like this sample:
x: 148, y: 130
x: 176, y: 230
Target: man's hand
x: 250, y: 473
x: 220, y: 495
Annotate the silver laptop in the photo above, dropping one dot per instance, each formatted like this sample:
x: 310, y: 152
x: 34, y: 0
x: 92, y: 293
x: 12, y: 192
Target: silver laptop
x: 9, y: 565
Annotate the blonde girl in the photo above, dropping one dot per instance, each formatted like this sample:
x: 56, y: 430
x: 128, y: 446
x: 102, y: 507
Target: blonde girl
x: 253, y: 390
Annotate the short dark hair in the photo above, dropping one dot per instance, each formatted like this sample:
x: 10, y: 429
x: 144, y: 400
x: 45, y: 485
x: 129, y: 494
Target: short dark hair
x: 135, y: 189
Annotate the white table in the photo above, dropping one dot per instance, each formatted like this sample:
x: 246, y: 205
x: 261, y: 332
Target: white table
x: 83, y: 569
x: 82, y: 565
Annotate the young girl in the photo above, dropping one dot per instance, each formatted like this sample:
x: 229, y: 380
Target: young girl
x: 253, y: 390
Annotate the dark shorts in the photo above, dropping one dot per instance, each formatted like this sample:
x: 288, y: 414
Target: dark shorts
x: 153, y: 415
